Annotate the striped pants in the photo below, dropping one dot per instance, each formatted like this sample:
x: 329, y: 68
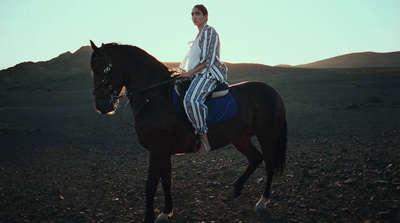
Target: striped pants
x: 193, y: 102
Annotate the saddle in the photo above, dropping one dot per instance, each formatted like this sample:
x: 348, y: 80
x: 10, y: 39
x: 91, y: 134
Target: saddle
x: 221, y: 104
x: 181, y: 87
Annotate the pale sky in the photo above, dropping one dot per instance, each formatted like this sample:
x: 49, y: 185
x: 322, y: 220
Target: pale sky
x: 252, y: 31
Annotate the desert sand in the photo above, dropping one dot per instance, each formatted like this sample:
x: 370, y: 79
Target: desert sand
x: 61, y: 161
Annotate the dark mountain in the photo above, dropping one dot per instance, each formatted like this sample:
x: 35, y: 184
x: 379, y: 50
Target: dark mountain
x: 78, y: 63
x: 68, y: 71
x: 66, y: 63
x: 358, y: 60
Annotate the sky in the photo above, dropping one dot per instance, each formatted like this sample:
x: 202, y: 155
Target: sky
x: 268, y: 32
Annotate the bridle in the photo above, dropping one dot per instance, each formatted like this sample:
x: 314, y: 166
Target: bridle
x: 114, y: 95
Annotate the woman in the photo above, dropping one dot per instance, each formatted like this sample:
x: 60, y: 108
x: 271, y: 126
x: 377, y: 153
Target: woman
x: 204, y: 66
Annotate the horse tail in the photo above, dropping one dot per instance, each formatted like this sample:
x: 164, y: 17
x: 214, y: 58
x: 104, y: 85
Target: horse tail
x: 280, y: 152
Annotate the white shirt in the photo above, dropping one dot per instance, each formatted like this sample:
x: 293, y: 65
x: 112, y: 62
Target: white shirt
x: 192, y: 58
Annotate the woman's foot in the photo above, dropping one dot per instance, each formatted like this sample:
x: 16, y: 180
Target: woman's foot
x: 204, y: 146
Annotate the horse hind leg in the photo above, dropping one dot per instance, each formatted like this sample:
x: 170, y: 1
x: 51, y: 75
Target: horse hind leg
x: 246, y: 147
x: 265, y: 198
x: 273, y: 148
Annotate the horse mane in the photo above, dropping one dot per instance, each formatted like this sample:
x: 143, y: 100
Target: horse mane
x: 144, y: 59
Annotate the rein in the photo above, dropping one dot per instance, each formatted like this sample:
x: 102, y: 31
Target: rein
x: 146, y: 101
x: 149, y: 87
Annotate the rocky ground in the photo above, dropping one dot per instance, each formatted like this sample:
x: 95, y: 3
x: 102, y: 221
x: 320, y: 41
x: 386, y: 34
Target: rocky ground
x: 62, y: 162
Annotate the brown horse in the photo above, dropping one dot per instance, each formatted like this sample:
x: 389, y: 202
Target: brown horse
x: 163, y: 132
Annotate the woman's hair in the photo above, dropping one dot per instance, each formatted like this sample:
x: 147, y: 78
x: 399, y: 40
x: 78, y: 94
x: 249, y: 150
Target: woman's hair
x: 202, y: 8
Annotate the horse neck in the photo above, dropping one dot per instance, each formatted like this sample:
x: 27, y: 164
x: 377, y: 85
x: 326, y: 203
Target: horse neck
x: 143, y: 70
x: 142, y: 73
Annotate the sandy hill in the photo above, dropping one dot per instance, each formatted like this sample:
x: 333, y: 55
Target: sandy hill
x: 358, y: 60
x: 65, y: 63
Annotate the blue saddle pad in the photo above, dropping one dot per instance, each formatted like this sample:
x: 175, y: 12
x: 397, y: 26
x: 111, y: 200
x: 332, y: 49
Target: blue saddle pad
x: 220, y: 109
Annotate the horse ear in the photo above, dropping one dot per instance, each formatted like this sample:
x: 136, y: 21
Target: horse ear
x: 94, y: 47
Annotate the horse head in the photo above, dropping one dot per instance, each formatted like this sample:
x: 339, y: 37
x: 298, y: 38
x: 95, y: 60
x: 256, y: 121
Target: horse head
x: 115, y: 66
x: 107, y: 81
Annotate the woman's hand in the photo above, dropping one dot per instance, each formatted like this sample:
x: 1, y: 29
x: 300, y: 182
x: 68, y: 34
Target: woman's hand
x: 193, y: 71
x: 186, y: 74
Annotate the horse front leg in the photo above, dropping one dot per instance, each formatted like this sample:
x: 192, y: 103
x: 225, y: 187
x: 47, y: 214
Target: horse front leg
x: 159, y: 167
x: 166, y: 184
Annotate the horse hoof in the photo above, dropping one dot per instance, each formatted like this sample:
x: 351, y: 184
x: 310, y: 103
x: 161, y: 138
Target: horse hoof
x: 164, y: 217
x: 237, y: 201
x: 262, y: 204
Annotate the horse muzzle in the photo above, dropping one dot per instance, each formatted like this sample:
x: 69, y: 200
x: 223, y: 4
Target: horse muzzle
x: 106, y: 106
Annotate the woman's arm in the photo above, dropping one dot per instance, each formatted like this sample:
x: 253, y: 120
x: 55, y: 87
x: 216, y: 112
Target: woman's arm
x: 194, y: 70
x: 209, y: 46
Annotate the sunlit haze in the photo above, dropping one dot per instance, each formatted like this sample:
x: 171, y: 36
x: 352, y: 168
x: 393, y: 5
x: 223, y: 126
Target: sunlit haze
x: 254, y: 31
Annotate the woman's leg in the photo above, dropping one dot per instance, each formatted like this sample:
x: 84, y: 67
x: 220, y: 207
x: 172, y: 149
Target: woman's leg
x: 196, y: 110
x: 194, y: 100
x: 204, y: 147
